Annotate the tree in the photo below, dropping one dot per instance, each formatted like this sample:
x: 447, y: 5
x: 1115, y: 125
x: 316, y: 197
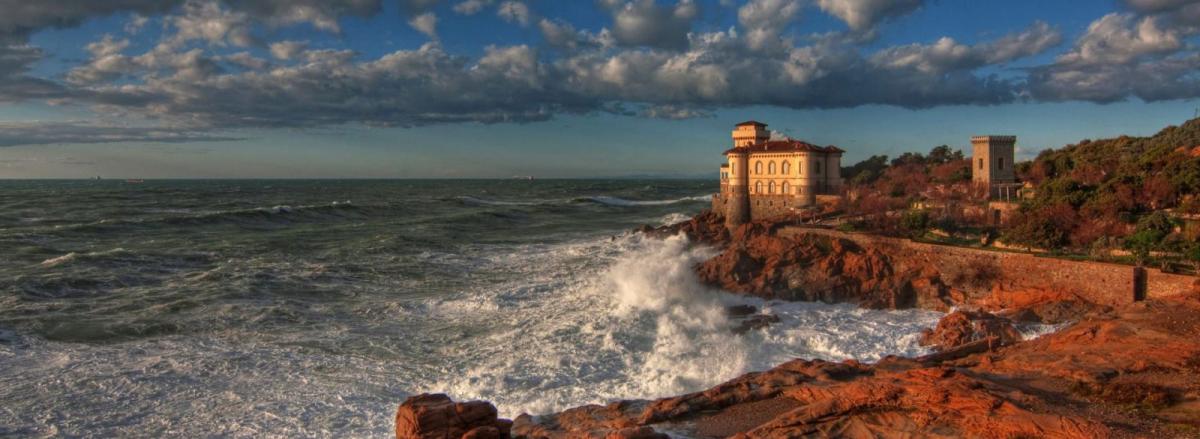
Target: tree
x: 915, y: 222
x: 1151, y: 230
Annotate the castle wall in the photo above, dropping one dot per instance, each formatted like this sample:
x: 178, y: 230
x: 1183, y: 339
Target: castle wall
x: 1098, y: 282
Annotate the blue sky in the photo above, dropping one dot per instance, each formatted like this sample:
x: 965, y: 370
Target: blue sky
x: 554, y: 88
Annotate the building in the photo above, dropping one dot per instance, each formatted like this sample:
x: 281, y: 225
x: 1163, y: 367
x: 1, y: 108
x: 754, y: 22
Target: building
x: 766, y: 178
x: 992, y: 165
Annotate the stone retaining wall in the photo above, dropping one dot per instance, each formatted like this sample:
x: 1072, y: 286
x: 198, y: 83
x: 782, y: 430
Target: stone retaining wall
x: 968, y: 269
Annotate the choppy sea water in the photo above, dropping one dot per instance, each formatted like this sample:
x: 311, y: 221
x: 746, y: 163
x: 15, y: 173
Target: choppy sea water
x: 313, y: 308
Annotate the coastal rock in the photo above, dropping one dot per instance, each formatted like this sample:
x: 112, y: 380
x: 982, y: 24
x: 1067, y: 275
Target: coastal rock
x: 708, y: 227
x: 755, y: 322
x: 1077, y: 383
x: 436, y: 416
x: 814, y: 268
x: 962, y: 327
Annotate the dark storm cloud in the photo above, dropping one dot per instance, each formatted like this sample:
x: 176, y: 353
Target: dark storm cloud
x: 44, y: 133
x: 647, y: 23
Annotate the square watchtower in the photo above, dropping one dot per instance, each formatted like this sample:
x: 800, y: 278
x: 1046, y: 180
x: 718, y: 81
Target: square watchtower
x: 992, y: 162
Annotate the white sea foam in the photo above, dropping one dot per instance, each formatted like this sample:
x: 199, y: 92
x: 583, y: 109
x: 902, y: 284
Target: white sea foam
x: 615, y: 201
x: 567, y: 324
x: 72, y: 256
x: 641, y: 326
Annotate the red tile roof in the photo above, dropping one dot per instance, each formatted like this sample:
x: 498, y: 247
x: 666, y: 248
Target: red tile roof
x: 751, y: 122
x: 789, y: 145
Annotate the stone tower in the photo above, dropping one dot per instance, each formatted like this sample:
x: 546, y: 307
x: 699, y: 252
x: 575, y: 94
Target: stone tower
x: 992, y: 162
x: 745, y: 135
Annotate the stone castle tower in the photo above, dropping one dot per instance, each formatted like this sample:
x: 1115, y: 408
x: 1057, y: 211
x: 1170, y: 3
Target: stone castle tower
x: 992, y: 162
x: 737, y: 209
x: 765, y: 178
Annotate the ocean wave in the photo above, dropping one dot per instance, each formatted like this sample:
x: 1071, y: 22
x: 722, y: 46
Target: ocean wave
x: 73, y: 256
x: 594, y: 321
x: 274, y: 214
x: 485, y: 202
x: 621, y: 202
x: 595, y: 199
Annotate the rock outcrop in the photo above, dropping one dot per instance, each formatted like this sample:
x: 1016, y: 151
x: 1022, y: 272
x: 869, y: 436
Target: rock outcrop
x: 961, y: 327
x: 436, y: 416
x: 755, y: 260
x: 1132, y: 372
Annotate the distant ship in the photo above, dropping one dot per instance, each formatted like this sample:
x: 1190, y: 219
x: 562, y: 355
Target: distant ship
x: 522, y: 177
x: 135, y: 181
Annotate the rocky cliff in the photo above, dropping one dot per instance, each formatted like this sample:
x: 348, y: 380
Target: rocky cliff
x: 756, y: 260
x: 1128, y: 371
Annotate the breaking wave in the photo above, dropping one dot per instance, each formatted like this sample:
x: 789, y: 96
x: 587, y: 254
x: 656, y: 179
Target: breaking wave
x: 641, y: 325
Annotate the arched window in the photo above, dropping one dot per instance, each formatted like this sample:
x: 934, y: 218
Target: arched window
x: 800, y: 167
x: 771, y: 187
x: 758, y: 167
x: 785, y: 188
x: 758, y: 187
x: 818, y: 170
x: 771, y: 167
x: 785, y: 167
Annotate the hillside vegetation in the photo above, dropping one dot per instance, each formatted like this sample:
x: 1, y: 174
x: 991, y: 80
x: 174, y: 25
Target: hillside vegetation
x: 1087, y: 198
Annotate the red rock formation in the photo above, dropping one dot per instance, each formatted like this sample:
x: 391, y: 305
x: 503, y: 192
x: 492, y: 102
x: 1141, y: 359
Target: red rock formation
x: 435, y: 416
x: 962, y: 327
x: 707, y: 227
x: 1134, y: 372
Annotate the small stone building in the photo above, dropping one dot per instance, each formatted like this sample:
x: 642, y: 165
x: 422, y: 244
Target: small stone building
x: 766, y: 178
x: 993, y: 166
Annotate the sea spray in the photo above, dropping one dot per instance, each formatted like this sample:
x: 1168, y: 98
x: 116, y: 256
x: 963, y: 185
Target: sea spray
x: 641, y: 325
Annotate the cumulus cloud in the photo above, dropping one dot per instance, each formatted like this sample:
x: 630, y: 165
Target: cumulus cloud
x: 1120, y: 38
x: 646, y: 23
x: 1123, y: 55
x: 286, y: 50
x: 425, y: 23
x: 471, y: 7
x: 204, y: 76
x: 947, y: 54
x: 863, y: 15
x: 515, y: 12
x: 22, y: 17
x: 764, y: 20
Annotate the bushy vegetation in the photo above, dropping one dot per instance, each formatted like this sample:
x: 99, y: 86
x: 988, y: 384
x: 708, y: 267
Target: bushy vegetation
x: 1090, y: 197
x: 1098, y: 193
x: 884, y: 191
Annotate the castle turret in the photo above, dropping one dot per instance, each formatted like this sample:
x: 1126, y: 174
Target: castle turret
x: 750, y: 133
x: 746, y: 134
x: 737, y: 207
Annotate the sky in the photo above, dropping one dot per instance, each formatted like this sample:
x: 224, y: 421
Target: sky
x: 565, y: 88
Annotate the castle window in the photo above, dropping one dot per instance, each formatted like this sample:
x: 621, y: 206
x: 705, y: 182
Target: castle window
x: 785, y: 167
x: 771, y: 187
x: 800, y: 168
x: 980, y: 163
x: 785, y: 189
x: 771, y: 167
x: 818, y: 169
x: 758, y: 187
x: 758, y: 167
x: 1000, y: 163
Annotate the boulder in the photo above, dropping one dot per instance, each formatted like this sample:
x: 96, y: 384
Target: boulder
x: 436, y: 416
x: 961, y: 327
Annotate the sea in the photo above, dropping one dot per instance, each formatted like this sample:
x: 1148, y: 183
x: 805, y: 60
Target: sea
x: 312, y: 308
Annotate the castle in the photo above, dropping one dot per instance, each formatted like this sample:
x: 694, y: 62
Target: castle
x: 766, y: 178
